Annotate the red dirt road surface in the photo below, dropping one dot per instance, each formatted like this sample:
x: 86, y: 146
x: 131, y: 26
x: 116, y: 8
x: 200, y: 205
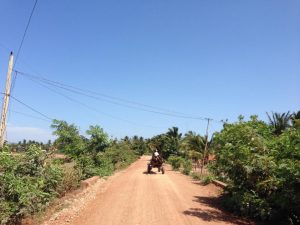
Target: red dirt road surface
x: 133, y: 197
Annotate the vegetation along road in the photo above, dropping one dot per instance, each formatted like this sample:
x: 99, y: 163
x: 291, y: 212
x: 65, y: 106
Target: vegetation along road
x: 133, y: 197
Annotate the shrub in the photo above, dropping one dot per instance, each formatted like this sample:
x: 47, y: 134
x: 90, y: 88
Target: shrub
x: 187, y: 166
x: 196, y: 176
x: 27, y: 183
x: 87, y: 165
x: 120, y: 155
x: 207, y: 179
x: 71, y: 177
x: 175, y: 161
x: 262, y: 170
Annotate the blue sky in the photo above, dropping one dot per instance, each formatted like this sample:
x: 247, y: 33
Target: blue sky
x: 215, y: 59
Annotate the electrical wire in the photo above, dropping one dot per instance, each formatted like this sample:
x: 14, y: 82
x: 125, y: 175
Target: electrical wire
x: 29, y: 107
x: 28, y: 115
x: 81, y: 91
x: 72, y: 88
x: 14, y: 80
x: 25, y: 32
x: 92, y: 108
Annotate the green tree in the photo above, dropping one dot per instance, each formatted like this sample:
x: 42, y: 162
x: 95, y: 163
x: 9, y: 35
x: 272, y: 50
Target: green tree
x: 99, y: 140
x: 279, y: 121
x: 193, y: 146
x: 69, y: 140
x: 173, y: 138
x: 174, y: 133
x: 262, y: 170
x: 296, y: 119
x: 138, y: 145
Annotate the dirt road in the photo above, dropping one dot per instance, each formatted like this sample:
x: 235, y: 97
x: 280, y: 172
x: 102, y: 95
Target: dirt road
x: 133, y: 197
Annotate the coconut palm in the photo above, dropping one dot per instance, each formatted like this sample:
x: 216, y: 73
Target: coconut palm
x: 296, y: 119
x: 193, y: 142
x: 172, y: 141
x: 174, y: 133
x: 193, y: 146
x: 279, y: 121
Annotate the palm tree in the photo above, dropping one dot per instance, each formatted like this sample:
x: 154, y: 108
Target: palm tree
x: 279, y: 121
x: 296, y: 119
x: 173, y: 138
x: 193, y: 146
x: 174, y: 133
x: 193, y: 142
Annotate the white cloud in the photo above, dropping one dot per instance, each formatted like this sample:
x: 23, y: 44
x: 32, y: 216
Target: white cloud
x: 18, y: 133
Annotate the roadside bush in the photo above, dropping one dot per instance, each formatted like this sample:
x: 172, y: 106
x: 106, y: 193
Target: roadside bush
x: 104, y: 163
x: 187, y: 166
x: 207, y: 179
x: 88, y: 165
x: 196, y: 175
x: 27, y: 183
x: 106, y: 166
x: 175, y: 161
x: 94, y: 156
x: 121, y: 155
x: 262, y: 170
x: 71, y: 178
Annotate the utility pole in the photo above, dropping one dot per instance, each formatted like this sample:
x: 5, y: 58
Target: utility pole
x: 205, y: 148
x: 6, y: 100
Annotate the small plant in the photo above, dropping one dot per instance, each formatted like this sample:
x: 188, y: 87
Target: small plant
x: 196, y: 176
x: 207, y: 179
x: 72, y: 174
x: 187, y: 166
x: 175, y: 162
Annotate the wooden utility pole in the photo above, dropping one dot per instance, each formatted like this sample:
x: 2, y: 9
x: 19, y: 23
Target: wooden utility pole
x: 205, y: 148
x: 6, y: 100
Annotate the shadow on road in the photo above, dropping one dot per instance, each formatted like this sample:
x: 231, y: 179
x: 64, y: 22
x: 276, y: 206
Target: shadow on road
x: 198, y: 183
x: 215, y: 213
x: 151, y: 172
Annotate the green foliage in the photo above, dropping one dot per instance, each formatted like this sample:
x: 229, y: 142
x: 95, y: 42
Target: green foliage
x: 72, y: 174
x: 207, y: 179
x: 279, y: 121
x: 97, y: 155
x: 168, y: 143
x: 121, y: 155
x: 187, y: 166
x: 196, y: 175
x: 262, y: 169
x: 116, y: 157
x: 193, y: 146
x: 99, y: 140
x: 30, y: 180
x: 139, y: 145
x: 88, y: 165
x: 175, y: 161
x: 106, y: 166
x: 27, y: 183
x: 69, y: 141
x: 296, y: 119
x: 193, y: 142
x: 22, y: 146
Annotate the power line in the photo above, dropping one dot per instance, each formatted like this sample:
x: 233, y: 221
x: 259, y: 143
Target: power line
x: 29, y: 107
x: 91, y: 108
x: 72, y: 88
x: 14, y: 80
x: 28, y: 115
x: 25, y: 32
x: 81, y: 91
